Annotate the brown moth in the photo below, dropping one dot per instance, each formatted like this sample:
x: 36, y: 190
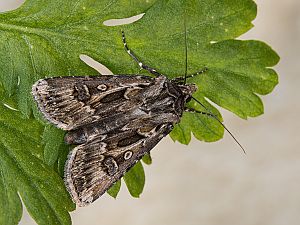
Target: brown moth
x: 113, y: 119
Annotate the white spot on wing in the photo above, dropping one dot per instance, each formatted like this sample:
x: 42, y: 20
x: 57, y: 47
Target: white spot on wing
x: 102, y: 87
x: 127, y: 155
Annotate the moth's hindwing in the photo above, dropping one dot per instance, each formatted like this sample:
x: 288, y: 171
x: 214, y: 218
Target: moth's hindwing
x: 113, y: 120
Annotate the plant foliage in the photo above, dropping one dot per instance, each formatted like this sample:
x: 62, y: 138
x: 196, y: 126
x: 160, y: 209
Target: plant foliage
x: 45, y: 38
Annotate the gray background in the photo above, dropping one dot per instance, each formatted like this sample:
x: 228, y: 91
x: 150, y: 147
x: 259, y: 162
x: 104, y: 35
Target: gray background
x: 215, y: 184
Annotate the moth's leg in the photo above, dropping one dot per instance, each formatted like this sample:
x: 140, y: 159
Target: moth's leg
x: 132, y: 55
x: 186, y: 109
x: 182, y: 79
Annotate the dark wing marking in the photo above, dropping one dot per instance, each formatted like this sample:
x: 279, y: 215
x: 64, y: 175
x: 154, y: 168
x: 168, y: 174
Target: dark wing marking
x: 93, y: 167
x: 114, y: 120
x: 70, y: 102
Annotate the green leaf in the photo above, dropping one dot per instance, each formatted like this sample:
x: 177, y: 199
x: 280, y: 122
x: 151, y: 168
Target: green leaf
x: 23, y: 172
x: 45, y: 38
x: 147, y: 159
x: 114, y: 190
x: 53, y: 149
x: 237, y: 70
x: 40, y: 39
x: 10, y: 204
x: 135, y: 180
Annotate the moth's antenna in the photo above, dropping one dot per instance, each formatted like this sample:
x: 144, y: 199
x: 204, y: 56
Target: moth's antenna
x: 186, y: 47
x: 214, y: 116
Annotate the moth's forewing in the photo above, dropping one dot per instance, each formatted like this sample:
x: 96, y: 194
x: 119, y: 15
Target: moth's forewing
x: 71, y: 102
x: 114, y: 120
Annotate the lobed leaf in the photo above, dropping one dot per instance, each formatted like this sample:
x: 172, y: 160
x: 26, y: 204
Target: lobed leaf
x: 135, y: 180
x: 147, y: 159
x: 114, y: 190
x: 24, y: 174
x: 40, y: 40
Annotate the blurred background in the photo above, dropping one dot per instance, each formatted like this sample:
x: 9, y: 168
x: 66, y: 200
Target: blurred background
x: 215, y: 183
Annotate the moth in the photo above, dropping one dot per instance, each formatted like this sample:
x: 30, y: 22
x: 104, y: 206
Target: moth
x: 113, y: 120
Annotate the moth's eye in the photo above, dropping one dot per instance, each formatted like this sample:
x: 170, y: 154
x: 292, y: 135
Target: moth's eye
x: 188, y: 99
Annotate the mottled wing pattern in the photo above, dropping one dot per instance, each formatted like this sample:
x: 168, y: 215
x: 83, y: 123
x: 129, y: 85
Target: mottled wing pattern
x: 71, y: 102
x: 113, y: 120
x: 93, y: 167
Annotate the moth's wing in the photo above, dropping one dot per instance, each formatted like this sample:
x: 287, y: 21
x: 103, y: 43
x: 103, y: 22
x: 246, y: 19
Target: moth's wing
x: 93, y: 167
x: 70, y: 102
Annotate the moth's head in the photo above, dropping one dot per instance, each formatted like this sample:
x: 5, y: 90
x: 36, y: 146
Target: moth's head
x: 188, y: 89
